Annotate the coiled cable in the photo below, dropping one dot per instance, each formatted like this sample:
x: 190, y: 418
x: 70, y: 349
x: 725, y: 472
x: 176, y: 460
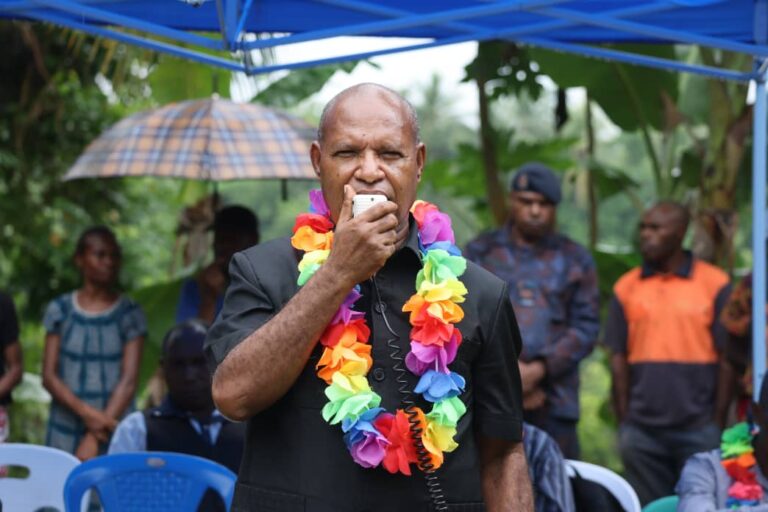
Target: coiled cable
x: 434, y: 487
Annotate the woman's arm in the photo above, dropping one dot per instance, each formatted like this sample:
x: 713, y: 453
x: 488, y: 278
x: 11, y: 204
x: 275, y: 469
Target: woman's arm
x: 95, y: 420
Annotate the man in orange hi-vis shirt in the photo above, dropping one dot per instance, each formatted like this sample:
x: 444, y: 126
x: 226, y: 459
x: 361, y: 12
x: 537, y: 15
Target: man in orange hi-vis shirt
x: 665, y: 341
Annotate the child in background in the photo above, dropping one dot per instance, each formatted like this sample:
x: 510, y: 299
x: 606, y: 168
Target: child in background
x: 93, y: 342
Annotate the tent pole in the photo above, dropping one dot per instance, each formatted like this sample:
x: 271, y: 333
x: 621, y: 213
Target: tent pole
x: 758, y: 234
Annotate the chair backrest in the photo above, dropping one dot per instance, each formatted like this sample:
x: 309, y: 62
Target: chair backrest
x: 665, y: 504
x: 48, y: 470
x: 148, y: 481
x: 619, y: 487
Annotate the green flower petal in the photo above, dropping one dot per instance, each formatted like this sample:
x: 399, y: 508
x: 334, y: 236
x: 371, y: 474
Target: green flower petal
x: 448, y: 412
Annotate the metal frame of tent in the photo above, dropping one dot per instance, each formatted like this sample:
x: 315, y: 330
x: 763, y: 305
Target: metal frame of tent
x: 555, y: 24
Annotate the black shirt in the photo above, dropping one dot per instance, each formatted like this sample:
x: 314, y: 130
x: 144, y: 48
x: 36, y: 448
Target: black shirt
x: 294, y: 460
x: 9, y: 333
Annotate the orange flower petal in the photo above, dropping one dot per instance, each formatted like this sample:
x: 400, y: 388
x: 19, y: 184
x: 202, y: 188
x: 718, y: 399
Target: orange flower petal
x: 306, y: 239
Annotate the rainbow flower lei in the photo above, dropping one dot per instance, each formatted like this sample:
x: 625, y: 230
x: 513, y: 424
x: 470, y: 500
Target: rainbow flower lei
x: 738, y: 459
x: 372, y: 435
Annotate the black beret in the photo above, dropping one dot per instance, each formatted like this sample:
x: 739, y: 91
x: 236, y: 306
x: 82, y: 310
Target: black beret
x: 537, y: 177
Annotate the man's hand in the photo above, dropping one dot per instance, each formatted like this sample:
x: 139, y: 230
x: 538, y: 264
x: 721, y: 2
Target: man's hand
x: 363, y: 244
x: 531, y: 374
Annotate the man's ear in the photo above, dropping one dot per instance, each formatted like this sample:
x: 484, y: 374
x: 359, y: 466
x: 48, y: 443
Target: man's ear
x: 314, y: 156
x: 421, y: 159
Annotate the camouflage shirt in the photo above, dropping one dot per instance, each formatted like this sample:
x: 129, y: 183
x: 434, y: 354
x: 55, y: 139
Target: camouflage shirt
x: 553, y: 289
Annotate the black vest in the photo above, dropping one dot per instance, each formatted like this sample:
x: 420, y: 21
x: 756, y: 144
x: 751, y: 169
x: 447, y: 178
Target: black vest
x: 172, y: 432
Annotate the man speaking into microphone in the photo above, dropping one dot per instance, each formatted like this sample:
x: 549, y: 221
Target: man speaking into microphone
x: 375, y: 366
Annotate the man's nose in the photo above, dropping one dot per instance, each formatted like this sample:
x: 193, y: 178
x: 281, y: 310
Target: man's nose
x: 535, y: 209
x: 369, y: 170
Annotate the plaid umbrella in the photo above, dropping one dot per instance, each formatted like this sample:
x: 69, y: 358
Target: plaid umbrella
x: 201, y: 139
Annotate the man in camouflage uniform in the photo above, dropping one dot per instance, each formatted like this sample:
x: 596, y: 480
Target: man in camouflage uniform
x: 553, y: 288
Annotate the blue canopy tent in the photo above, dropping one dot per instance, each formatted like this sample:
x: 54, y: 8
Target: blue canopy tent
x: 174, y: 26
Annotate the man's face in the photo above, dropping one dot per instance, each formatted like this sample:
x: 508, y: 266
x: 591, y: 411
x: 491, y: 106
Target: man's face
x: 661, y: 234
x: 533, y: 215
x: 187, y: 377
x: 227, y: 242
x: 368, y: 143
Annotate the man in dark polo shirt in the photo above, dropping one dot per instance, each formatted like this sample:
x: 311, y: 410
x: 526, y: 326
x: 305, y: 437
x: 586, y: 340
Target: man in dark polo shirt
x: 264, y: 344
x: 665, y: 338
x: 553, y: 287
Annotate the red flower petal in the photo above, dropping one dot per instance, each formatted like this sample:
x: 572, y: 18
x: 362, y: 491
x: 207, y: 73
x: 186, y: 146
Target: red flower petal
x: 317, y: 222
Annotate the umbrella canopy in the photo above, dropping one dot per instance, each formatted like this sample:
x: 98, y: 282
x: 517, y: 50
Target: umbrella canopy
x: 201, y: 139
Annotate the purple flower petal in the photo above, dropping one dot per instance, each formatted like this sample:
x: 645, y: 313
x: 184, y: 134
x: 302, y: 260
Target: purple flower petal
x: 345, y: 313
x: 424, y: 357
x: 317, y: 203
x: 436, y: 227
x: 369, y: 450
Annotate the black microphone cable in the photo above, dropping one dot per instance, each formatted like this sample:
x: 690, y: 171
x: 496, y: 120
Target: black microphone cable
x: 434, y: 487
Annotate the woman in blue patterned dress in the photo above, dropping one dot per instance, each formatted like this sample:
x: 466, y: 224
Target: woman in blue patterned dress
x: 93, y: 342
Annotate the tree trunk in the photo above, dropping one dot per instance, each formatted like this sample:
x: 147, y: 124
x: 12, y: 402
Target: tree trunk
x: 493, y: 186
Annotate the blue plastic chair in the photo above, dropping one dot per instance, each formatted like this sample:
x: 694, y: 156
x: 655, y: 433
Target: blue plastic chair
x: 665, y: 504
x: 148, y: 481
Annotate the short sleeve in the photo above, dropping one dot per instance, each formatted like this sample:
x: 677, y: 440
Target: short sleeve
x: 496, y: 377
x: 9, y: 322
x: 246, y: 308
x: 130, y: 435
x: 133, y: 323
x: 54, y: 317
x: 616, y: 327
x: 719, y: 332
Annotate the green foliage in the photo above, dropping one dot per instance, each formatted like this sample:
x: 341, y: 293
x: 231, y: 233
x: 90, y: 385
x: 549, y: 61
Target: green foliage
x: 29, y: 411
x: 296, y: 86
x: 441, y: 129
x: 505, y: 69
x: 630, y: 95
x: 597, y: 426
x: 462, y: 176
x: 159, y: 304
x: 174, y: 79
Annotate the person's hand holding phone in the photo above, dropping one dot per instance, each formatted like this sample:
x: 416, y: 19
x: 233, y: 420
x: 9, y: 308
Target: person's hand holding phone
x: 364, y: 241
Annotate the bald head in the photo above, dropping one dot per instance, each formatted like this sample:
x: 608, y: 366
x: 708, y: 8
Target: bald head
x: 675, y: 212
x: 364, y: 92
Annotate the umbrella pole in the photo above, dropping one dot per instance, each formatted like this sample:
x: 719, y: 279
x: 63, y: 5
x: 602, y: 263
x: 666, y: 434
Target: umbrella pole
x: 758, y: 235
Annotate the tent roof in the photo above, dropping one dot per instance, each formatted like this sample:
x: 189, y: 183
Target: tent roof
x: 568, y: 25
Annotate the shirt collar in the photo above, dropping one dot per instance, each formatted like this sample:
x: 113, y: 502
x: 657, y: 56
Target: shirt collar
x: 168, y: 409
x: 684, y: 270
x: 412, y: 242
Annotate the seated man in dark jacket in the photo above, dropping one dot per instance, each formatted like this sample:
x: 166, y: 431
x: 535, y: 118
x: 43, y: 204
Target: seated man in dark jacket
x: 186, y: 421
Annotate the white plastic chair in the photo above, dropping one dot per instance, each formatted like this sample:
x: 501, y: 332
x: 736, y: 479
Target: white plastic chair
x: 619, y: 487
x: 44, y: 487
